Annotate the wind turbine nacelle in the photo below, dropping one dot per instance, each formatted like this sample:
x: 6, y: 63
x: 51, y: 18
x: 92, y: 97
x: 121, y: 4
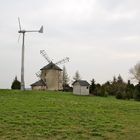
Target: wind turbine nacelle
x: 21, y: 31
x: 41, y: 30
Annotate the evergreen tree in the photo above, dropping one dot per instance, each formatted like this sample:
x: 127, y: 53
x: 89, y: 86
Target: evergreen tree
x: 129, y: 90
x: 107, y: 87
x: 137, y: 92
x: 77, y: 76
x: 120, y: 88
x: 15, y: 84
x: 119, y: 80
x: 92, y: 86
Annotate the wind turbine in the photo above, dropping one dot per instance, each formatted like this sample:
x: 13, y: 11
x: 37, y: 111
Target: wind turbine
x: 21, y: 31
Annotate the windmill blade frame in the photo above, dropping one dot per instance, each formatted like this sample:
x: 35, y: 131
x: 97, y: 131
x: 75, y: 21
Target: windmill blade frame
x: 38, y: 74
x: 62, y: 61
x: 44, y: 54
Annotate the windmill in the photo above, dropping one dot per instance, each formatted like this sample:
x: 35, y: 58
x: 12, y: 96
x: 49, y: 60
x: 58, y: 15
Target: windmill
x: 50, y: 74
x: 21, y: 31
x: 44, y: 54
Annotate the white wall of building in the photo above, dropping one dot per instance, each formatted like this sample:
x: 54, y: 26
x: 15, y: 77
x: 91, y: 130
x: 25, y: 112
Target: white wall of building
x: 84, y: 90
x: 80, y: 90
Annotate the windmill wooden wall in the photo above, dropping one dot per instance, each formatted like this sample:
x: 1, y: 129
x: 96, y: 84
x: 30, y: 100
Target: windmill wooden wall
x: 53, y: 79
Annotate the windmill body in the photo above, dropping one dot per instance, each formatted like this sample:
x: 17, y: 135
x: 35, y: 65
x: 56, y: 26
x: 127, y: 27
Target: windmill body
x: 51, y: 74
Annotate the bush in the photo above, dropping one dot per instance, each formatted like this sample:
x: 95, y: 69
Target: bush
x: 16, y: 84
x: 137, y: 95
x: 92, y: 87
x: 119, y: 95
x: 137, y: 92
x: 101, y: 91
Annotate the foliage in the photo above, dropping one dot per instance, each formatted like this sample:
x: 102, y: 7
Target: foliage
x: 92, y: 87
x: 130, y: 88
x: 67, y: 88
x: 45, y: 115
x: 77, y: 76
x: 102, y: 92
x: 137, y: 92
x: 15, y: 84
x: 117, y: 88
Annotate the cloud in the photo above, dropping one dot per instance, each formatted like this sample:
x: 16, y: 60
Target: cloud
x: 101, y: 37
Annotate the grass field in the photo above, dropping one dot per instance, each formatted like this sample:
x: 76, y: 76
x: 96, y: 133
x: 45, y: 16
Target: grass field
x: 62, y: 116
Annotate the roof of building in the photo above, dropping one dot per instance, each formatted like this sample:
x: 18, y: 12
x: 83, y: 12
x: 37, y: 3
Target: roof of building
x: 81, y: 82
x: 39, y: 83
x: 51, y: 66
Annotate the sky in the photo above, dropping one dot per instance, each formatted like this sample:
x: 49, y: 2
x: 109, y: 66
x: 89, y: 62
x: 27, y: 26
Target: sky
x: 101, y: 37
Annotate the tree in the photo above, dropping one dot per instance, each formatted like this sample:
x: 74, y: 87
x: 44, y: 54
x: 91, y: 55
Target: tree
x: 77, y: 76
x: 120, y: 88
x: 113, y: 86
x: 137, y: 92
x: 15, y: 84
x: 120, y: 79
x: 107, y: 87
x: 130, y: 90
x: 135, y: 71
x: 65, y: 76
x: 66, y: 86
x: 92, y: 86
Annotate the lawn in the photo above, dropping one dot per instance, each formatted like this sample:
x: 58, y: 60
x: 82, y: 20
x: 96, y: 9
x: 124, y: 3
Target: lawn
x: 42, y: 115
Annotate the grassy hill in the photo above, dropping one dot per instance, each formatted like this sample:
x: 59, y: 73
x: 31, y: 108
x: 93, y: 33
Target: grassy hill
x: 37, y: 115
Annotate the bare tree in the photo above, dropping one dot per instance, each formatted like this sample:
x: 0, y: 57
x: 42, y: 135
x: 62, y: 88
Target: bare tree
x: 65, y: 76
x: 135, y: 71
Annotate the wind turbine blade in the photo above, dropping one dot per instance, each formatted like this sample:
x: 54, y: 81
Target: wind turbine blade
x: 19, y: 23
x: 41, y: 30
x: 19, y: 37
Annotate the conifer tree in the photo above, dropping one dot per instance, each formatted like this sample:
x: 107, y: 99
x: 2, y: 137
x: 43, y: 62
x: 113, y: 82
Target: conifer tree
x: 77, y: 76
x: 15, y: 84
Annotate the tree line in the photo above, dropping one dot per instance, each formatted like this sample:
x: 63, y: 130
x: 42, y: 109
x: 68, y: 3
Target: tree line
x: 117, y: 87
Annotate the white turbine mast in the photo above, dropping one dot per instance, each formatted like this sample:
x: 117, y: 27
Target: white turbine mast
x: 21, y: 31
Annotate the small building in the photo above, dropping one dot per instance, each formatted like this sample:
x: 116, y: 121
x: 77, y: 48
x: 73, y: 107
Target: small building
x: 81, y: 87
x: 39, y: 85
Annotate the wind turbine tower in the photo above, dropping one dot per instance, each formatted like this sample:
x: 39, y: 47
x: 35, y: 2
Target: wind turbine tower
x: 21, y: 31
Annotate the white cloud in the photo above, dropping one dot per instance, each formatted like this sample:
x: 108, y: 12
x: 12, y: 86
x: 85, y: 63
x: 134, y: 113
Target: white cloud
x: 101, y: 37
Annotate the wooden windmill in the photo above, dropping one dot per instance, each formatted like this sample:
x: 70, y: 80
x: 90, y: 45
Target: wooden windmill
x: 51, y: 76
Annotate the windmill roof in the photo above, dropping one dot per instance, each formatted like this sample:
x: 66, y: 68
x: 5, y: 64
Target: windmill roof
x: 81, y: 82
x: 51, y: 66
x: 39, y: 83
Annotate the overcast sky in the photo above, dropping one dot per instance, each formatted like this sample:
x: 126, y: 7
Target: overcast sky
x: 101, y: 37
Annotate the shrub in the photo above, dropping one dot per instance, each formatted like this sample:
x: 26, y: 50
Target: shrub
x: 15, y: 84
x: 137, y: 95
x: 119, y: 95
x: 137, y: 92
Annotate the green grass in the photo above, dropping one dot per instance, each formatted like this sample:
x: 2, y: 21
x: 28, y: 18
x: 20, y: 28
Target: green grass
x: 36, y: 115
